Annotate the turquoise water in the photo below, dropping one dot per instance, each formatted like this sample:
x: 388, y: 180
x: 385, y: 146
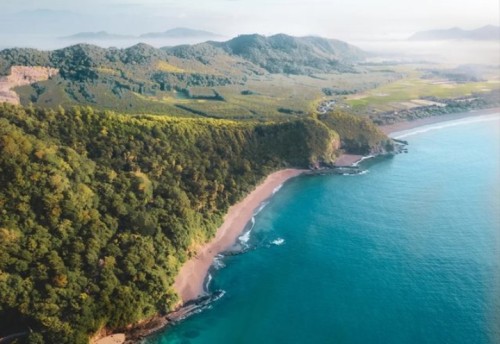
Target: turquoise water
x: 406, y: 253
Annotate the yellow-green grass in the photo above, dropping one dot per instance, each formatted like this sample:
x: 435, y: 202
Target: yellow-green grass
x: 168, y: 68
x: 405, y: 90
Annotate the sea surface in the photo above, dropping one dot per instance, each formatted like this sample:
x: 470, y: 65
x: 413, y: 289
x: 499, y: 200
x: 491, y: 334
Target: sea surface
x: 408, y: 252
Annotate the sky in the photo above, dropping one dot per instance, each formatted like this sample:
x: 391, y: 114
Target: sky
x: 343, y: 19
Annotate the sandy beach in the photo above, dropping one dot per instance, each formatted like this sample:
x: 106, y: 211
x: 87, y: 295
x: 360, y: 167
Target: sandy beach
x: 118, y: 338
x: 400, y: 126
x: 351, y: 159
x: 347, y: 160
x: 189, y: 281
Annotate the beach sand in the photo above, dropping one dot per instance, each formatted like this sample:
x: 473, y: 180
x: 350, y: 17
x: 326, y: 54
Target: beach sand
x: 189, y: 282
x: 118, y: 338
x: 347, y: 160
x: 401, y: 126
x: 351, y: 159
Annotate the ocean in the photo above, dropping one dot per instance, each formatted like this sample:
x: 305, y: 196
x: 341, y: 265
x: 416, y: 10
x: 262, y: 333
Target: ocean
x: 408, y: 252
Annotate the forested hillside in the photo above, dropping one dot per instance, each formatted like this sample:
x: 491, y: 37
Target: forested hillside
x: 150, y: 80
x: 358, y: 135
x: 98, y: 210
x: 294, y: 55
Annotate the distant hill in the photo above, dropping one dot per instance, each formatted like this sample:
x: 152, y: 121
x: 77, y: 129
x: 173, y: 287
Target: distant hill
x: 293, y: 55
x: 101, y: 35
x: 485, y: 33
x: 137, y: 78
x: 181, y: 32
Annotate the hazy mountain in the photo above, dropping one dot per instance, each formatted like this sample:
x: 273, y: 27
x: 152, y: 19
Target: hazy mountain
x: 485, y: 33
x: 180, y: 33
x: 293, y: 55
x: 101, y: 35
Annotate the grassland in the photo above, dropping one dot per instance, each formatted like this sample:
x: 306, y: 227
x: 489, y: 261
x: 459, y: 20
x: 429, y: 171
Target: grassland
x: 274, y: 96
x: 372, y: 89
x: 410, y: 90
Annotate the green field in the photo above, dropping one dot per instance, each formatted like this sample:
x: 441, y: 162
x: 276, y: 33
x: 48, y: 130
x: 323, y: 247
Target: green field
x: 402, y: 94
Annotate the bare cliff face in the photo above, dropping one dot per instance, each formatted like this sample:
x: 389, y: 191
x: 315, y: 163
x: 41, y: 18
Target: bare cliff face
x: 21, y: 76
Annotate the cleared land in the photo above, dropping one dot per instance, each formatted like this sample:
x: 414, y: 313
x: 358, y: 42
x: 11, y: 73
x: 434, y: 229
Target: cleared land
x: 412, y: 91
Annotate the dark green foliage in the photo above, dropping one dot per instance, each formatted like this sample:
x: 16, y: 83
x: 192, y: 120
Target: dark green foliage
x: 181, y: 81
x: 357, y: 134
x: 140, y: 78
x: 22, y: 57
x: 329, y: 91
x: 98, y: 210
x: 106, y: 78
x: 294, y: 55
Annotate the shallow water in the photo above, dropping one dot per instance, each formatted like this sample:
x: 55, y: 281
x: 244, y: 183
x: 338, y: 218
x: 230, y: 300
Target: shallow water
x: 406, y: 253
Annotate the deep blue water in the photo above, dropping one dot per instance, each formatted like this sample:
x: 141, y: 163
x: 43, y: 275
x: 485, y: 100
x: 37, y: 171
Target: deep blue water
x: 406, y: 253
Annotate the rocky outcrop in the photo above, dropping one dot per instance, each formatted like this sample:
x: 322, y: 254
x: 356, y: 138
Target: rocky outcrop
x: 21, y: 76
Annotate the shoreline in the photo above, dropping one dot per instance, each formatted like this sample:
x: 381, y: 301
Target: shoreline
x: 407, y: 125
x: 189, y: 282
x: 191, y: 277
x: 347, y: 160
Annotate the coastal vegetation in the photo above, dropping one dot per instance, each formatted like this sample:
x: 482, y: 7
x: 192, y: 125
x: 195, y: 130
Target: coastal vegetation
x: 358, y: 135
x: 99, y: 210
x: 283, y: 72
x: 101, y: 204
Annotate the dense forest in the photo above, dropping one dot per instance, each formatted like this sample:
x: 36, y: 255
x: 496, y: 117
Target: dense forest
x: 99, y: 210
x: 358, y: 134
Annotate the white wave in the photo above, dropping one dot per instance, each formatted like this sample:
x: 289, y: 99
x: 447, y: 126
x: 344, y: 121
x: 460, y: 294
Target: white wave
x: 245, y: 237
x: 221, y: 295
x: 260, y: 208
x: 209, y: 279
x: 362, y: 159
x: 278, y: 242
x: 356, y: 174
x: 218, y: 263
x: 278, y: 188
x: 447, y: 124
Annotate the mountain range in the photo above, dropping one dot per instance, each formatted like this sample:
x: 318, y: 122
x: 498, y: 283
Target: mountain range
x: 181, y: 32
x: 485, y: 33
x: 100, y: 35
x: 175, y: 33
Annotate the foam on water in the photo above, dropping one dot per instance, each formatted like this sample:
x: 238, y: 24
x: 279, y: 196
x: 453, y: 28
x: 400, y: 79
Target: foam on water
x: 406, y: 254
x: 356, y: 174
x: 447, y: 124
x: 207, y: 283
x: 278, y: 242
x: 218, y: 263
x: 278, y: 188
x: 245, y: 237
x: 362, y: 159
x: 260, y: 208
